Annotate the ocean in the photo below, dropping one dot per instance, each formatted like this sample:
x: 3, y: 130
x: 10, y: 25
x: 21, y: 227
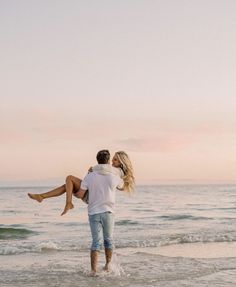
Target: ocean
x: 165, y: 235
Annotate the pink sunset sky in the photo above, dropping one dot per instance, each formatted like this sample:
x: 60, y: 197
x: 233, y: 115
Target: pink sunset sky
x: 153, y: 78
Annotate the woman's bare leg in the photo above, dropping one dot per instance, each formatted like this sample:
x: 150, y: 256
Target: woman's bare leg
x: 72, y: 184
x: 52, y: 193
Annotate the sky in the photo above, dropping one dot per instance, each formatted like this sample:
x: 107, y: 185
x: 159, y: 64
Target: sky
x: 155, y: 78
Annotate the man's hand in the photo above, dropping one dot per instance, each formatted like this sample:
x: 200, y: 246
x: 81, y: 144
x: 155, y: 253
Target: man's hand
x: 80, y: 194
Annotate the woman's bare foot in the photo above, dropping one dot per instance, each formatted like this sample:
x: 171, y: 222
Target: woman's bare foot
x: 67, y: 207
x: 35, y: 196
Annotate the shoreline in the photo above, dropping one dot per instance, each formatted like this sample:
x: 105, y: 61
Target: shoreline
x: 188, y: 250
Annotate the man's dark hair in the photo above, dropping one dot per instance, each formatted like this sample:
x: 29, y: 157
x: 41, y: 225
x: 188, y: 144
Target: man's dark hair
x: 103, y: 156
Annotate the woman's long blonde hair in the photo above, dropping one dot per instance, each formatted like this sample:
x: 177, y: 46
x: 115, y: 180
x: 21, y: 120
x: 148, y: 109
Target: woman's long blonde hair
x: 127, y: 168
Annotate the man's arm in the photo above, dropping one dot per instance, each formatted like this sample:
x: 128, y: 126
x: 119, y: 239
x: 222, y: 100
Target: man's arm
x: 80, y: 193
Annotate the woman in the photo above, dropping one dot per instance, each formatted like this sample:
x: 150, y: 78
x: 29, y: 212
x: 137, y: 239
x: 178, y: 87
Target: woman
x: 120, y: 162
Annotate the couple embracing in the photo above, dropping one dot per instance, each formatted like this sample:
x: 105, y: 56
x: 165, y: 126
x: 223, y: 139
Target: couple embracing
x: 98, y: 189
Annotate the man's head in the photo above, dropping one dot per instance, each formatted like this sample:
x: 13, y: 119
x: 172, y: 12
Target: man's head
x: 103, y: 156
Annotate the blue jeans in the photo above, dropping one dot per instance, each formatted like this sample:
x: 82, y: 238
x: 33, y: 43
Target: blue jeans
x: 102, y: 223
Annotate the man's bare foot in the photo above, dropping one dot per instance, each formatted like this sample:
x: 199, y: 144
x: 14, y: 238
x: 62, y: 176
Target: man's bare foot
x: 67, y: 207
x: 107, y: 267
x: 93, y: 274
x: 35, y: 196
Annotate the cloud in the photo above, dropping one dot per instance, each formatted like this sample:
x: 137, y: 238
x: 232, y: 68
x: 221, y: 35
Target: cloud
x: 164, y: 139
x: 157, y: 144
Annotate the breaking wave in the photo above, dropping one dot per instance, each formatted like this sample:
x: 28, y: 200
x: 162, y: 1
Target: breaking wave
x: 14, y: 233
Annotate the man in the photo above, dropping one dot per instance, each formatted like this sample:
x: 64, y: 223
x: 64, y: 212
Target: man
x: 102, y: 184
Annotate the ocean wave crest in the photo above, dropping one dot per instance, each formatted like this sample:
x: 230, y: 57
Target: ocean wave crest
x: 47, y: 246
x: 127, y: 222
x: 204, y: 237
x: 183, y: 217
x: 19, y: 247
x: 15, y: 233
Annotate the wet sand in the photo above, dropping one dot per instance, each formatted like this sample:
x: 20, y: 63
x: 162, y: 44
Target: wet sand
x: 189, y: 250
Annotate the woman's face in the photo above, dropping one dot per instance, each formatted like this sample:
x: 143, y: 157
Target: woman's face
x: 115, y: 161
